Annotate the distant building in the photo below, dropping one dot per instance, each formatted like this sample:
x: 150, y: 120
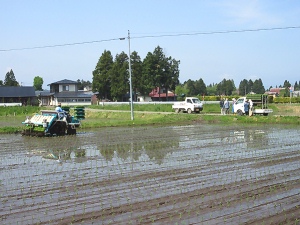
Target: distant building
x: 161, y: 94
x: 274, y: 91
x: 66, y: 92
x: 16, y: 94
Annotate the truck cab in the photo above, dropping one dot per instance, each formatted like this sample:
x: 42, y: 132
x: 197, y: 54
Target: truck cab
x: 260, y: 105
x: 191, y: 104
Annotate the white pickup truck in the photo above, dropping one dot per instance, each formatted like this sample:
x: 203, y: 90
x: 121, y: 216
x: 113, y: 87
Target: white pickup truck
x: 260, y: 105
x: 191, y: 104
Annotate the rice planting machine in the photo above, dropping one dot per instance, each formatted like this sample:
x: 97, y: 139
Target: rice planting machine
x: 53, y: 123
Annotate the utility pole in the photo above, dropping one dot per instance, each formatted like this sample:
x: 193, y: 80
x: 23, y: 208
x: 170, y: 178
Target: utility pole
x: 130, y: 82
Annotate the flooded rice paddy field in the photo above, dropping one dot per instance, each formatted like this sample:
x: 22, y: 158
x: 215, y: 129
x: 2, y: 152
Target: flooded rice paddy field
x: 197, y: 174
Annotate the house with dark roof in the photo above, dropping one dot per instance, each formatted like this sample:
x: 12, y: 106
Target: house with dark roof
x: 66, y: 92
x: 18, y: 94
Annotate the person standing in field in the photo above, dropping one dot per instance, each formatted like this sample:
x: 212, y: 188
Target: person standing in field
x: 226, y: 106
x: 246, y: 107
x: 233, y: 102
x: 222, y: 106
x: 250, y: 107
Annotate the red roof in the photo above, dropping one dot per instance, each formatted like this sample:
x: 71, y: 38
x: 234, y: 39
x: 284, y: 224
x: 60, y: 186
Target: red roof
x: 155, y: 93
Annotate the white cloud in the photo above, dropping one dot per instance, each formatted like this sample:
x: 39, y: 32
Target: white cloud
x: 251, y: 12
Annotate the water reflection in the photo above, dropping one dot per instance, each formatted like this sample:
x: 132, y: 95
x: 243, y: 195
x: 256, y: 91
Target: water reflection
x: 156, y: 150
x: 123, y: 143
x: 253, y: 138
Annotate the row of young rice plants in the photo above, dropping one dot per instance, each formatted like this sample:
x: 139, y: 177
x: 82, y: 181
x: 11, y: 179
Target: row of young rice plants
x: 152, y: 175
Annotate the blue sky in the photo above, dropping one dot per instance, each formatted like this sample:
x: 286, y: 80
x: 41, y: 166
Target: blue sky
x: 272, y: 55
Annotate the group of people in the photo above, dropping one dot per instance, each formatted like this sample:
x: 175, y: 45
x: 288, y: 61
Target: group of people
x: 225, y: 106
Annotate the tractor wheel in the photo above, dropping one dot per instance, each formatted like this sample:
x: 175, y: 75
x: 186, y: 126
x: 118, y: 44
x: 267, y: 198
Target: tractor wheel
x: 239, y: 112
x: 71, y: 131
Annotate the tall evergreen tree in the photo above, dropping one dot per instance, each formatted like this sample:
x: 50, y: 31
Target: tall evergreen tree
x: 102, y: 76
x: 10, y: 79
x: 244, y: 87
x: 258, y: 87
x: 136, y: 73
x: 200, y: 87
x: 119, y: 77
x: 225, y: 87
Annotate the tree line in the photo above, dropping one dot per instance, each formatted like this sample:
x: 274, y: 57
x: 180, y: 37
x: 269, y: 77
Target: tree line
x: 111, y: 78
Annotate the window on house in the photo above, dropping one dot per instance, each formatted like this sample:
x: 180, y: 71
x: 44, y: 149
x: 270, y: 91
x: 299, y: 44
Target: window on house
x: 65, y: 87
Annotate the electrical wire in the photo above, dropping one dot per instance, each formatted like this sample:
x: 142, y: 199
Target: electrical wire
x: 153, y: 36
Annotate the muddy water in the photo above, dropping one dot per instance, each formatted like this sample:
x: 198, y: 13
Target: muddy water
x: 193, y: 174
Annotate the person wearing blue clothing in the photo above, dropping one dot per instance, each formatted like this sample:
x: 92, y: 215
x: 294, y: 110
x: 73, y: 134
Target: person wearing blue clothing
x: 58, y: 108
x: 61, y: 112
x: 226, y: 106
x: 246, y: 107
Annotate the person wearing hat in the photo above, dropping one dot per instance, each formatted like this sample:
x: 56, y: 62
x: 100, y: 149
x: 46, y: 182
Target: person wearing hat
x: 61, y: 112
x: 58, y: 108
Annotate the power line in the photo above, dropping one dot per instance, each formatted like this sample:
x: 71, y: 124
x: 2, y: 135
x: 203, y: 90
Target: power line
x: 218, y: 32
x: 58, y: 45
x: 153, y: 36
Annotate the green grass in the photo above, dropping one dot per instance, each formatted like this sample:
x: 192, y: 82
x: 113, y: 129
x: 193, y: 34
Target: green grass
x: 137, y: 107
x: 11, y: 117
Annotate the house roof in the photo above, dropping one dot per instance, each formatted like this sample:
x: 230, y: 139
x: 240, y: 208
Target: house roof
x: 72, y: 94
x: 65, y: 81
x: 44, y: 93
x: 155, y: 93
x: 277, y: 90
x: 16, y: 91
x: 162, y: 95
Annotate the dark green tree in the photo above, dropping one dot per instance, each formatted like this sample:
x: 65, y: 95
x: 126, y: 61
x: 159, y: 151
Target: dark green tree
x: 189, y: 85
x: 160, y: 71
x: 38, y: 83
x: 225, y: 87
x: 136, y: 73
x: 148, y: 73
x: 102, y: 76
x: 286, y: 84
x: 258, y: 87
x: 172, y: 74
x: 200, y: 87
x: 119, y: 77
x: 250, y: 85
x: 296, y: 86
x: 10, y: 79
x: 244, y: 87
x: 1, y: 82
